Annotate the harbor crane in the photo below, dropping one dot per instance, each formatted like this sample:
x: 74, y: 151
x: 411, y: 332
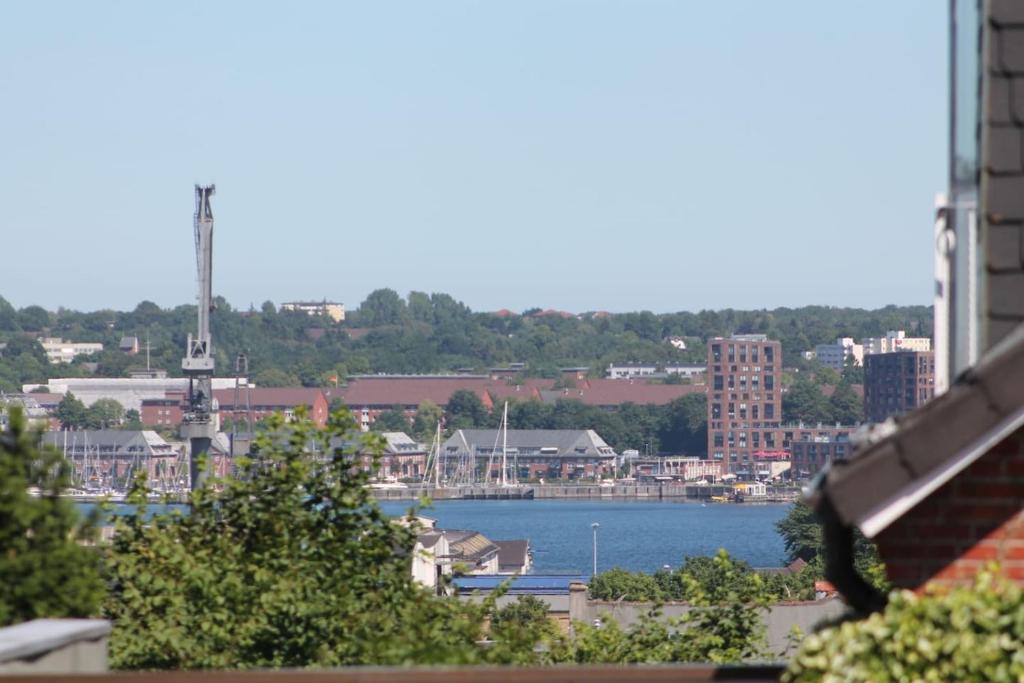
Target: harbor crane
x: 200, y: 421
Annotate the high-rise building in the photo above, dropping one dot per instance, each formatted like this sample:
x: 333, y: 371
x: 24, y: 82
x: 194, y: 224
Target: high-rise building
x: 896, y: 383
x: 744, y: 400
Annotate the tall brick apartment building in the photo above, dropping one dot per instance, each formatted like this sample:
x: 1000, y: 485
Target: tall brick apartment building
x: 896, y: 383
x: 744, y: 400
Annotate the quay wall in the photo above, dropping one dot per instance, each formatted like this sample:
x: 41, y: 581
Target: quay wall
x: 577, y: 492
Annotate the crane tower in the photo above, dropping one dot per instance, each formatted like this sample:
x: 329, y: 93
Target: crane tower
x: 200, y: 422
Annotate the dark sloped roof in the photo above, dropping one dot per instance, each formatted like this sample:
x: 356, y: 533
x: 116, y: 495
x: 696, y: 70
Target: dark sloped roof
x: 469, y: 545
x: 514, y: 553
x: 931, y: 445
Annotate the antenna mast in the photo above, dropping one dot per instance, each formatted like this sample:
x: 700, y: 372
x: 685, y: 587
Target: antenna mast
x: 200, y: 421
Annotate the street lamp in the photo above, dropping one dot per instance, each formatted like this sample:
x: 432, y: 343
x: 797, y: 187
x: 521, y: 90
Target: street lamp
x: 595, y: 527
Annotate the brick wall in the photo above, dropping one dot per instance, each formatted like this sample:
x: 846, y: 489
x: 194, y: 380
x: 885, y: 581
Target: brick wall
x: 973, y: 520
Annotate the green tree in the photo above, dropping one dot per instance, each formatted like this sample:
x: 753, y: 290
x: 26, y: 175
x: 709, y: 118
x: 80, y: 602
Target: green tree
x: 72, y: 413
x: 620, y: 584
x: 801, y: 533
x: 313, y: 575
x: 104, y: 413
x: 804, y: 402
x: 34, y: 318
x: 382, y: 307
x: 683, y: 425
x: 275, y: 377
x: 846, y: 406
x: 465, y: 410
x: 393, y: 420
x: 133, y: 420
x: 45, y: 571
x: 424, y: 424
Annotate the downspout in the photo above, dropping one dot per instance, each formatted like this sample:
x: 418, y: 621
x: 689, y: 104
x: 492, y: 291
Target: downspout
x: 839, y: 562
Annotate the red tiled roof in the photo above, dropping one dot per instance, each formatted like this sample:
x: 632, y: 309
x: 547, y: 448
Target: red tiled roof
x: 614, y: 392
x: 392, y: 391
x: 525, y: 390
x: 277, y: 397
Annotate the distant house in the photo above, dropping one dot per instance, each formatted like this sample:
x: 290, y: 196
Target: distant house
x: 129, y: 345
x: 651, y: 370
x: 331, y: 309
x: 514, y: 557
x: 533, y: 453
x: 471, y: 551
x: 60, y: 351
x: 106, y: 457
x: 402, y: 458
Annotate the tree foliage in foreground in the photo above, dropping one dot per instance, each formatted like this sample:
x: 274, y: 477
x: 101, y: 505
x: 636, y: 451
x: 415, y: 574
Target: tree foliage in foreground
x: 288, y: 564
x: 291, y: 563
x: 721, y: 579
x: 965, y: 634
x: 44, y: 570
x: 723, y: 625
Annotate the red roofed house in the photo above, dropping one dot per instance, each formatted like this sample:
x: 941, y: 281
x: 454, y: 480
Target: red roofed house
x: 370, y: 395
x: 612, y: 393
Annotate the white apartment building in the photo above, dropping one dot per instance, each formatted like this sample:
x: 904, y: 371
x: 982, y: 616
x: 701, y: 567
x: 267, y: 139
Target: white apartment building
x: 895, y: 340
x: 60, y: 351
x: 638, y: 370
x: 836, y: 355
x: 333, y: 310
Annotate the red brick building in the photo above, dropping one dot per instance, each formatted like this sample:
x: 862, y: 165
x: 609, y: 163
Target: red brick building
x: 896, y: 383
x: 269, y: 400
x: 744, y: 400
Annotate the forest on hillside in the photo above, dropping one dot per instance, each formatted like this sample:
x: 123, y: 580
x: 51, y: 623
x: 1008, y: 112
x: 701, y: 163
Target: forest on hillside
x: 419, y: 333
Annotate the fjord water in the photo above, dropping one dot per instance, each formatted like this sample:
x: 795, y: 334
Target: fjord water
x: 639, y: 536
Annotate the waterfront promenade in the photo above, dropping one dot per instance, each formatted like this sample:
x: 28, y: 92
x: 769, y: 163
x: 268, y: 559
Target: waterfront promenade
x: 581, y: 492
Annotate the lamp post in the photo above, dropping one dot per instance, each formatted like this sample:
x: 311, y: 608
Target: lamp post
x: 595, y: 527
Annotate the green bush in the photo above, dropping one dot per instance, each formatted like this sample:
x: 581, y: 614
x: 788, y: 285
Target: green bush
x: 964, y: 634
x: 45, y: 568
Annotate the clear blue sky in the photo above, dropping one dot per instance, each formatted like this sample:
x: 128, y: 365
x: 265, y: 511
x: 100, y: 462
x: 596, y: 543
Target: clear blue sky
x: 578, y: 155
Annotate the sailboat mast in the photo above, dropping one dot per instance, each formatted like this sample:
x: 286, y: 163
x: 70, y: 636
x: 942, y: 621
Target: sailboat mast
x: 437, y: 457
x: 504, y: 446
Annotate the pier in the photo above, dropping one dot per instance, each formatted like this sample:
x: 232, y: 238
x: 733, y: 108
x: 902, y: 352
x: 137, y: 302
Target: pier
x: 579, y: 492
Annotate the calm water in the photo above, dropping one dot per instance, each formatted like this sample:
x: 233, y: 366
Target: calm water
x: 640, y: 536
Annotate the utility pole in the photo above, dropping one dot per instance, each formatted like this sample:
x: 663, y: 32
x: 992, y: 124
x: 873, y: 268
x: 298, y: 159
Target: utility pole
x: 200, y: 421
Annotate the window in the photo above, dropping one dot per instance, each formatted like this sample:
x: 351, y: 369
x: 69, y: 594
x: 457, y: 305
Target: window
x: 753, y: 355
x: 718, y: 440
x: 716, y: 411
x: 732, y: 382
x: 754, y: 412
x: 743, y: 411
x: 732, y: 410
x: 769, y: 354
x: 769, y: 382
x: 716, y: 352
x: 718, y: 383
x: 769, y: 411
